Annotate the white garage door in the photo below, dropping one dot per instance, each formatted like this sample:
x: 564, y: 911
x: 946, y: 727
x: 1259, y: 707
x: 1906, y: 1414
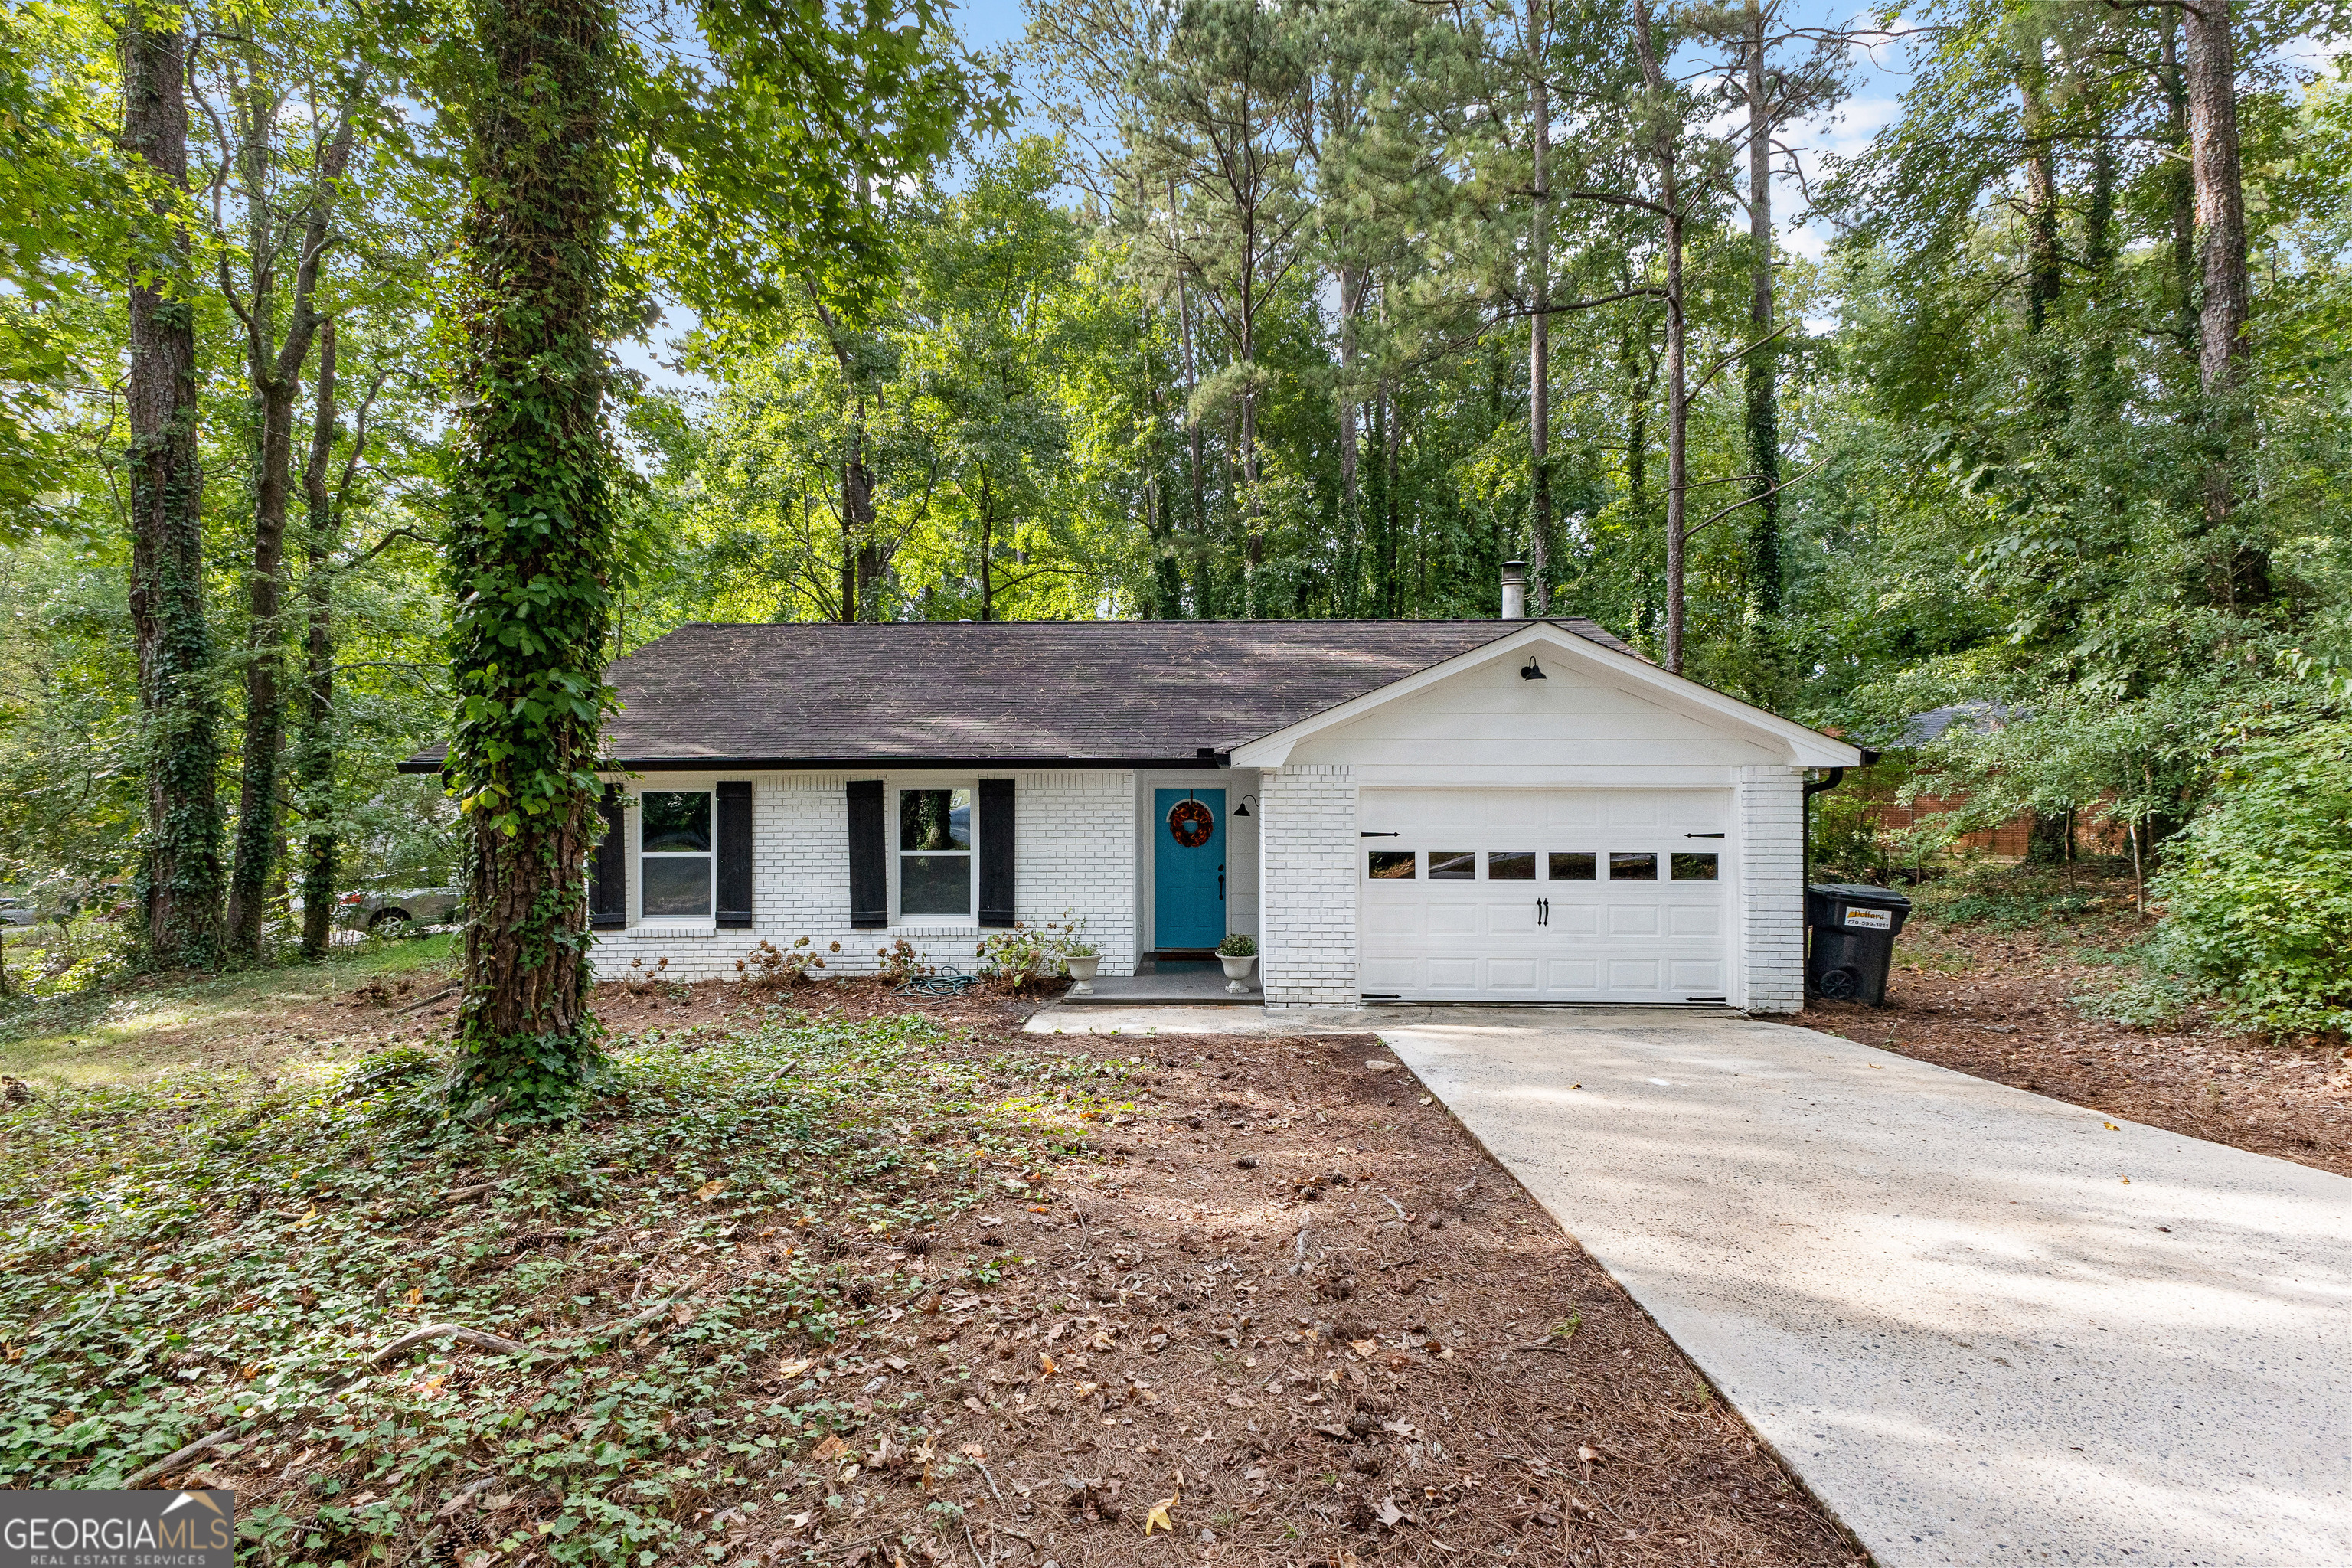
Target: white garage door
x: 1545, y: 895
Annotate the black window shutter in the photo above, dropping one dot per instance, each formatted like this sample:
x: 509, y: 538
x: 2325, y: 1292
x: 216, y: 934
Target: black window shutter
x: 608, y: 872
x: 869, y: 865
x: 734, y: 854
x: 997, y: 902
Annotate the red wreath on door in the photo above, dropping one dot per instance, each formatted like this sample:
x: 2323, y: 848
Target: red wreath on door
x: 1191, y: 822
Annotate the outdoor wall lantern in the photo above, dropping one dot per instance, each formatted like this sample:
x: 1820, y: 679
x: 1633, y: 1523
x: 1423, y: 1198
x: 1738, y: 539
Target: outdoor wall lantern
x: 1243, y: 809
x: 1533, y: 671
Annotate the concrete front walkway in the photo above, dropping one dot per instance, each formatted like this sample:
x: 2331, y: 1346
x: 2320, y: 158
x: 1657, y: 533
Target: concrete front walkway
x: 1983, y: 1326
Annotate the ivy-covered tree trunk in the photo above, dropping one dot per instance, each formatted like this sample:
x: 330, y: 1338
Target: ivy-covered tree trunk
x: 314, y: 738
x: 1665, y: 133
x: 180, y: 858
x: 1763, y: 408
x: 275, y: 370
x: 2046, y: 277
x: 1196, y: 468
x: 2180, y: 183
x: 1167, y: 600
x: 532, y: 553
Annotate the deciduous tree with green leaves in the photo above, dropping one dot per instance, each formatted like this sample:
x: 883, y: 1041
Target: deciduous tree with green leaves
x: 728, y: 165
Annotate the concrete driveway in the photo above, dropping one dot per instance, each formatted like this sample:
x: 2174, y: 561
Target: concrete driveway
x: 1984, y: 1326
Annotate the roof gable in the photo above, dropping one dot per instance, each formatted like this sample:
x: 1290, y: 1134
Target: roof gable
x: 1676, y: 707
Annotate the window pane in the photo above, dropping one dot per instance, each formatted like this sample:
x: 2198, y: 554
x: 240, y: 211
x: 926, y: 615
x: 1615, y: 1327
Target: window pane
x: 935, y: 884
x: 1452, y: 866
x: 1694, y: 868
x: 676, y: 822
x: 676, y: 887
x: 1393, y: 865
x: 935, y: 819
x: 1624, y: 867
x: 1575, y: 866
x: 1511, y: 867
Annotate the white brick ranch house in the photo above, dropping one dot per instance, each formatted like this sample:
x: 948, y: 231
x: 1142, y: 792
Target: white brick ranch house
x: 1504, y: 810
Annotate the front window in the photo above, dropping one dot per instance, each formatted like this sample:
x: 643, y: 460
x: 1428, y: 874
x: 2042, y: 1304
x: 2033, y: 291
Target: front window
x: 935, y: 852
x: 674, y: 855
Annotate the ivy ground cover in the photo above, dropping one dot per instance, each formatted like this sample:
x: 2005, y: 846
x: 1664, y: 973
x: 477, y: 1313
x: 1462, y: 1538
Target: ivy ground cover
x: 205, y: 1258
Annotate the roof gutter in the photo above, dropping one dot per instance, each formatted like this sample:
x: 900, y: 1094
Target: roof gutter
x: 1814, y: 788
x: 1205, y: 757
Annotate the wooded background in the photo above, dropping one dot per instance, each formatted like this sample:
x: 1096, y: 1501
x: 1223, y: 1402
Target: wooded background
x: 1219, y: 310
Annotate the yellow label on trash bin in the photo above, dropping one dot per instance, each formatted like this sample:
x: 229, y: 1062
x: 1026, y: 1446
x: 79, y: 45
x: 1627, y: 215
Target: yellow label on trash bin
x: 1870, y: 920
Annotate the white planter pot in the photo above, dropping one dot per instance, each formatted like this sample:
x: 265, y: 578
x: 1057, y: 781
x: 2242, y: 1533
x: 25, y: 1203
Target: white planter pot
x: 1237, y: 970
x: 1082, y: 975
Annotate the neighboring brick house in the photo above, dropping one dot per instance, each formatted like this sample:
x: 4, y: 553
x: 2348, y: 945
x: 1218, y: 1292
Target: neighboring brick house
x: 2092, y: 831
x: 1448, y: 810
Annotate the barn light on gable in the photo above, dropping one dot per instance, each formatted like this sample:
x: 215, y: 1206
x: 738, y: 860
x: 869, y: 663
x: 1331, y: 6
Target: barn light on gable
x: 1532, y: 670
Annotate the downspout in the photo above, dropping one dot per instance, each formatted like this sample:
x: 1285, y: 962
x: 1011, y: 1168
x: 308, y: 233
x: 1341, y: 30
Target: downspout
x: 1837, y: 777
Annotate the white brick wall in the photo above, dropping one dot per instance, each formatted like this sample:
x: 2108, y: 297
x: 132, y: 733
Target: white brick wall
x: 1076, y: 833
x: 1771, y: 889
x: 1307, y: 892
x: 1076, y: 838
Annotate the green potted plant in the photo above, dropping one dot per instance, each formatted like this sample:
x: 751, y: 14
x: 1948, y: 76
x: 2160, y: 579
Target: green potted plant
x: 1237, y: 953
x: 1081, y: 959
x: 1072, y: 953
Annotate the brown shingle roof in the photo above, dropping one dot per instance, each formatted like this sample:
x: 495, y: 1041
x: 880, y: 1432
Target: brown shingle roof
x: 1002, y: 693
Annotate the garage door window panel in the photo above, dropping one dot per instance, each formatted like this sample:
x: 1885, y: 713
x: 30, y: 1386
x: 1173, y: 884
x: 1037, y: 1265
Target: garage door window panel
x: 1574, y: 865
x: 1510, y: 865
x: 1694, y: 868
x: 1633, y: 865
x: 1452, y: 866
x: 1391, y: 865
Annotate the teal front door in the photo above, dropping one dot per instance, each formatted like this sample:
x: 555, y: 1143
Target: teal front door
x: 1188, y: 868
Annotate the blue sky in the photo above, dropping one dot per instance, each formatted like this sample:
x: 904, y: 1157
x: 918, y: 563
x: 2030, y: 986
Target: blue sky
x: 988, y: 22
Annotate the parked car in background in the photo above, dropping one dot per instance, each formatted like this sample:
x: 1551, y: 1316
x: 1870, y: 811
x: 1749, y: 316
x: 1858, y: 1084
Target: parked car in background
x: 19, y: 912
x: 376, y: 910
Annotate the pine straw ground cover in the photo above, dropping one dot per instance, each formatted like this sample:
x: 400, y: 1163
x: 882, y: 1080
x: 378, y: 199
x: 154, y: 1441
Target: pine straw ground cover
x: 851, y: 1286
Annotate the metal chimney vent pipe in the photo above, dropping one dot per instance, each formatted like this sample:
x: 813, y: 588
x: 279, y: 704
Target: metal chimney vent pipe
x: 1515, y: 590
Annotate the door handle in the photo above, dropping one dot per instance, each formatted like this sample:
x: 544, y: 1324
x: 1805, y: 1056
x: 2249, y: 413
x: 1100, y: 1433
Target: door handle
x: 1220, y: 884
x: 1543, y: 911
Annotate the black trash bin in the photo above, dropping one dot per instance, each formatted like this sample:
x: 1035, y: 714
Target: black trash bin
x: 1854, y: 940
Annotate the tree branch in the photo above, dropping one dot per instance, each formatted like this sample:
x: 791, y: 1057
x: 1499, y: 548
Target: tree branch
x: 1617, y: 199
x: 1751, y: 500
x: 1733, y: 357
x: 386, y: 543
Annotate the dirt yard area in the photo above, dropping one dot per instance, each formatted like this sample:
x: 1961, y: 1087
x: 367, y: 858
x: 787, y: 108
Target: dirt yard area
x: 2017, y: 1000
x: 1302, y: 1316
